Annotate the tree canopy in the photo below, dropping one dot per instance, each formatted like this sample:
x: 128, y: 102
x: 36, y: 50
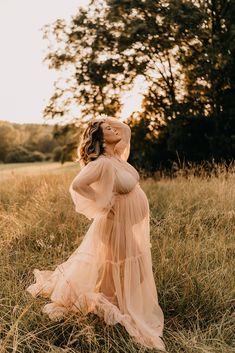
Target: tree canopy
x: 184, y: 49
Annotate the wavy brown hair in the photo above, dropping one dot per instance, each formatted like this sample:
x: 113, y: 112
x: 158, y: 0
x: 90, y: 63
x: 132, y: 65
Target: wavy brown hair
x: 91, y: 145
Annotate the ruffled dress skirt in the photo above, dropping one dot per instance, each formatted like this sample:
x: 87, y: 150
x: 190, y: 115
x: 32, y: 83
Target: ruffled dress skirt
x: 110, y: 273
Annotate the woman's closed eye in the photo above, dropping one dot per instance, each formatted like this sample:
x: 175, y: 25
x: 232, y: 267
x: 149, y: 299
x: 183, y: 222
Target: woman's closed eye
x: 110, y: 128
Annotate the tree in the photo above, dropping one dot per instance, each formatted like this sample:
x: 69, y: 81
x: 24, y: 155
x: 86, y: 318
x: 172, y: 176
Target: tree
x: 68, y: 137
x: 8, y: 138
x: 183, y: 49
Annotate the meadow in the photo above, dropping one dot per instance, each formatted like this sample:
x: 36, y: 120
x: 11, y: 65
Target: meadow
x: 192, y: 225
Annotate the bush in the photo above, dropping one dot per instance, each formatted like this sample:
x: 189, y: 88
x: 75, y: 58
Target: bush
x: 57, y: 153
x: 49, y: 157
x: 20, y: 154
x: 37, y: 156
x: 17, y: 154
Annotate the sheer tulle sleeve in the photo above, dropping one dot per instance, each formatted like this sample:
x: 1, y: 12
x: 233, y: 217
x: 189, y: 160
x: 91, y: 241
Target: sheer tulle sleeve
x: 92, y: 189
x: 122, y: 148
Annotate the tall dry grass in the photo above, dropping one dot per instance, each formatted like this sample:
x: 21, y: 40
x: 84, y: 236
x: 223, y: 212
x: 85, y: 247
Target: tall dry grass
x: 192, y: 235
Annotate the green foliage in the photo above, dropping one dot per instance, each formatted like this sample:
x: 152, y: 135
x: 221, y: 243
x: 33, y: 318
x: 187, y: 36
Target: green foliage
x: 184, y: 50
x: 8, y: 138
x: 68, y: 137
x: 17, y: 154
x: 20, y: 154
x: 57, y: 154
x: 37, y: 156
x: 35, y: 142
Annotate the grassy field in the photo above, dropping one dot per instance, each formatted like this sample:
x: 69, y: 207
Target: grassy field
x: 14, y: 170
x: 193, y: 243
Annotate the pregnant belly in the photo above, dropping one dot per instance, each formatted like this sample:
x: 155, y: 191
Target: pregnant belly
x: 132, y: 207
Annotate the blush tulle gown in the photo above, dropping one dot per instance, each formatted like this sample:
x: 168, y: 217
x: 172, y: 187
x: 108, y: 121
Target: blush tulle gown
x: 110, y: 273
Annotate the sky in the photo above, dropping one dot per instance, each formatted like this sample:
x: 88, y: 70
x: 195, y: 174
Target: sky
x: 26, y: 83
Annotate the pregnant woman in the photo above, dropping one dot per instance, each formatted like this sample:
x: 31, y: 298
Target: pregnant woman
x: 110, y: 273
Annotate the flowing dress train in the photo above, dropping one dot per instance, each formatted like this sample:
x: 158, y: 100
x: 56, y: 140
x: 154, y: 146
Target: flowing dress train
x: 110, y: 273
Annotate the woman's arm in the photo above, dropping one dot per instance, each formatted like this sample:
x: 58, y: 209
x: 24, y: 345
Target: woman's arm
x: 93, y: 172
x: 122, y: 148
x: 84, y: 189
x: 82, y: 181
x: 123, y: 128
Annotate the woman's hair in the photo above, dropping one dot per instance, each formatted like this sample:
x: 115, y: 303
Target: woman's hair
x: 91, y: 145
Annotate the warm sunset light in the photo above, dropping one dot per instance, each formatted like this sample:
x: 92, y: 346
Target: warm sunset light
x: 117, y: 173
x: 26, y: 82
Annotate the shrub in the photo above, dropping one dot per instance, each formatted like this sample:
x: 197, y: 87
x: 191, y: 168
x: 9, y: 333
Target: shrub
x: 57, y: 153
x: 17, y: 154
x: 20, y: 154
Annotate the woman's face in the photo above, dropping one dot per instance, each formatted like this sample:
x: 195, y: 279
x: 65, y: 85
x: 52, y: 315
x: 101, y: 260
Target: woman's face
x: 111, y: 135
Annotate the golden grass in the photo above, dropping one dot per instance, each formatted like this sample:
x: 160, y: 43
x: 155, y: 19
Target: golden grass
x: 192, y: 235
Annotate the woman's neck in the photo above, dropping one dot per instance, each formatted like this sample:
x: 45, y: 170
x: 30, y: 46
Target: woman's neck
x: 109, y: 150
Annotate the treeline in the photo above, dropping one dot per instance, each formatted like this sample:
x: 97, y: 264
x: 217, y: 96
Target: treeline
x: 40, y: 142
x: 21, y: 143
